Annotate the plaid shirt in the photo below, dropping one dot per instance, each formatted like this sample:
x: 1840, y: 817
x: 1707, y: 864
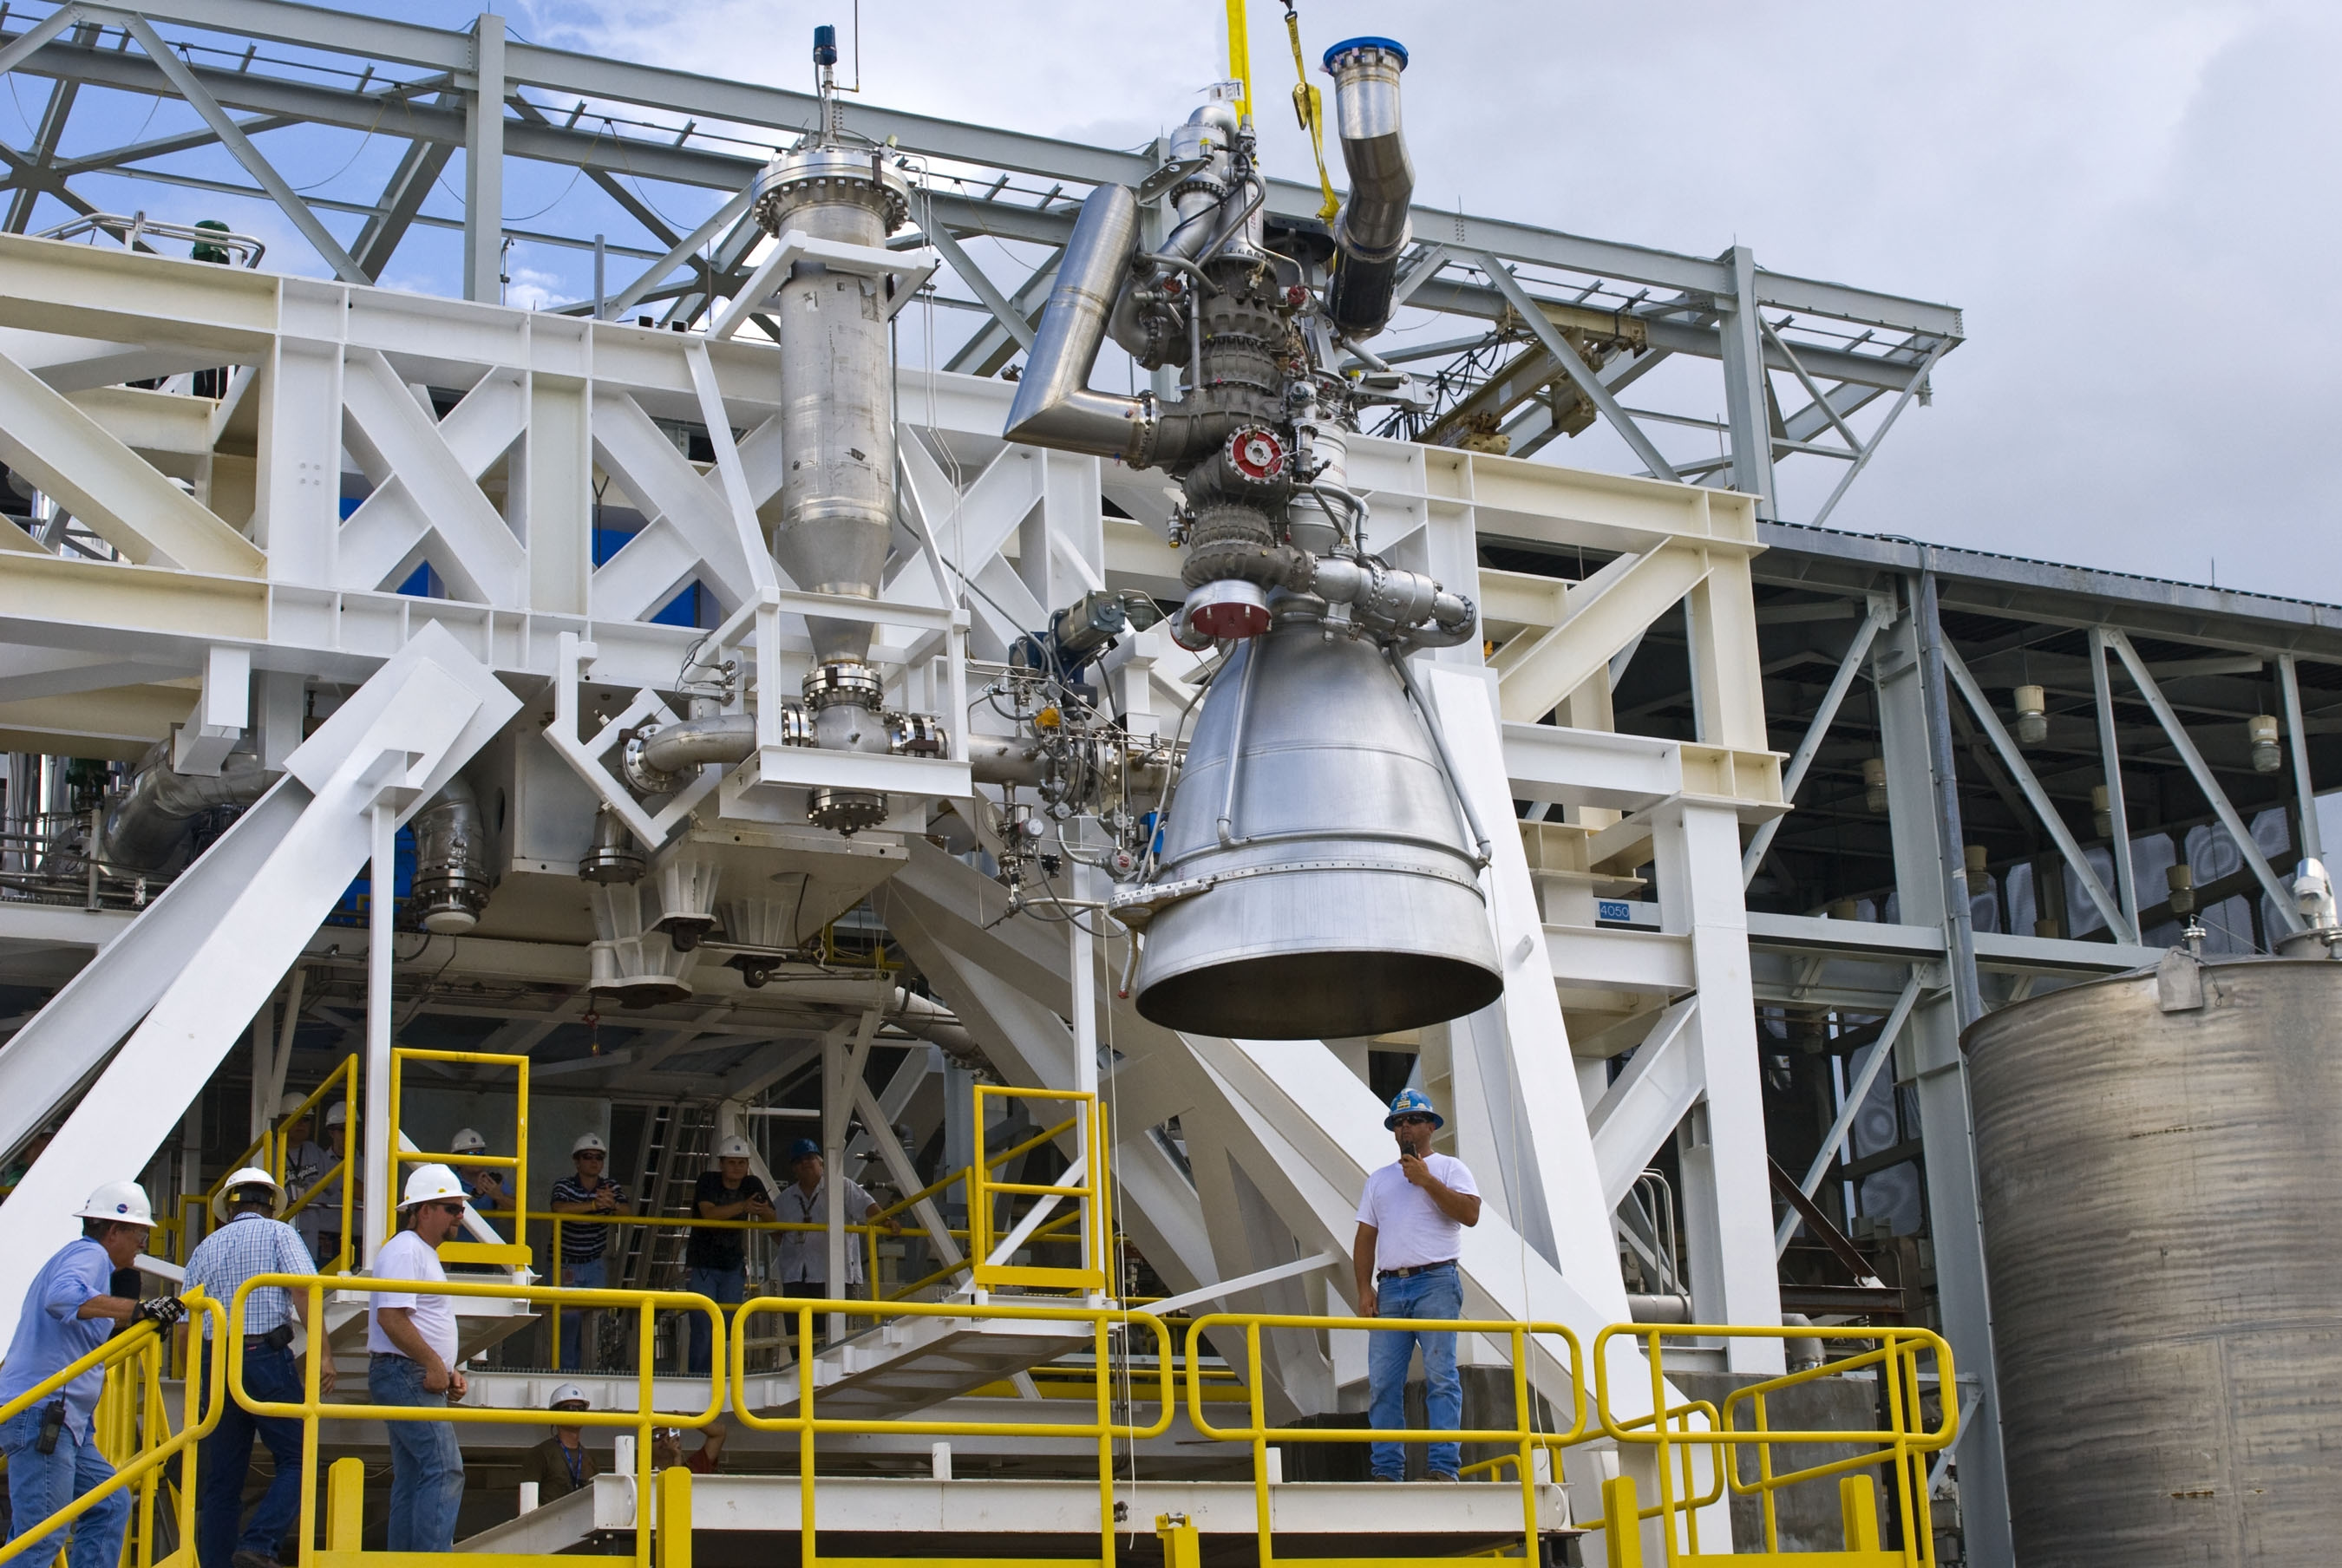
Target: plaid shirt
x: 250, y: 1244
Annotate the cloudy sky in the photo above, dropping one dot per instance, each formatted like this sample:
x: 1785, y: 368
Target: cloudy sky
x: 2131, y: 200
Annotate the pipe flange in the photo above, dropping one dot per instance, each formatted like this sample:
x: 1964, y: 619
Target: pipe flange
x: 1228, y: 609
x: 640, y: 776
x: 1253, y: 453
x: 792, y: 180
x: 843, y: 684
x: 846, y: 811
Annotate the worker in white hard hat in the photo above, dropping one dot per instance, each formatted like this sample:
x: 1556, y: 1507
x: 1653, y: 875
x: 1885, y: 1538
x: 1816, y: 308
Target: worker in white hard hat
x: 490, y: 1188
x: 301, y: 1159
x: 1411, y: 1223
x: 585, y: 1248
x: 803, y: 1255
x: 252, y: 1239
x: 69, y: 1311
x: 319, y: 1219
x: 411, y: 1338
x: 716, y: 1259
x: 562, y: 1464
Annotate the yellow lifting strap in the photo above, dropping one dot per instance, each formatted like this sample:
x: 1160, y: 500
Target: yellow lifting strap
x: 1240, y: 57
x: 1309, y: 109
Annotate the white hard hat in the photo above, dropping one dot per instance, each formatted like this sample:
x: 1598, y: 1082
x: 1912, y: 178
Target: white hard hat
x: 589, y: 1142
x: 568, y: 1393
x: 124, y: 1202
x: 467, y: 1140
x: 735, y: 1147
x: 338, y: 1114
x: 291, y: 1100
x: 429, y: 1183
x: 250, y: 1176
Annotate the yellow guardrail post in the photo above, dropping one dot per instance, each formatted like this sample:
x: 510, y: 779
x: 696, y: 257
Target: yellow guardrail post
x: 1182, y: 1544
x: 345, y: 1506
x: 674, y: 1517
x: 1622, y: 1523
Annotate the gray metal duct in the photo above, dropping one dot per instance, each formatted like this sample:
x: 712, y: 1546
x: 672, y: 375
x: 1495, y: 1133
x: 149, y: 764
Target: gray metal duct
x: 1054, y: 407
x: 1373, y: 229
x: 661, y: 758
x: 451, y: 860
x: 147, y: 824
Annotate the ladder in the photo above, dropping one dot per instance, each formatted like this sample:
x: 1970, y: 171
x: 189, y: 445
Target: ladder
x: 677, y: 1151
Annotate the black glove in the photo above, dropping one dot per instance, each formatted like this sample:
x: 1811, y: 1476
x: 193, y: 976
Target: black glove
x: 163, y: 1311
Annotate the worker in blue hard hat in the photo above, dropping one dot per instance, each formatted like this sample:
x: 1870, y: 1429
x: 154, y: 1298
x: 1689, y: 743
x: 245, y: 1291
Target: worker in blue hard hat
x: 805, y: 1255
x: 1411, y: 1221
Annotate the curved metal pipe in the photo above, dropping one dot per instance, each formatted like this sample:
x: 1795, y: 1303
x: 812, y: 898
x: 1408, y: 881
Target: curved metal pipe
x: 145, y: 827
x: 1054, y: 407
x: 682, y: 747
x: 1373, y: 229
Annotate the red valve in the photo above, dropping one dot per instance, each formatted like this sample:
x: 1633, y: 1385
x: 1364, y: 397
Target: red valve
x: 1257, y: 453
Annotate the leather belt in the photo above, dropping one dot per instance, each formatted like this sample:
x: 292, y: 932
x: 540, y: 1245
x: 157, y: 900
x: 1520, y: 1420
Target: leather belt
x: 1414, y: 1269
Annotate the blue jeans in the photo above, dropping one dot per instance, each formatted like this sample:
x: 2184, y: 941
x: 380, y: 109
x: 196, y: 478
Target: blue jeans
x: 225, y: 1460
x: 41, y: 1483
x: 1436, y: 1294
x: 427, y: 1466
x: 589, y: 1275
x: 729, y: 1286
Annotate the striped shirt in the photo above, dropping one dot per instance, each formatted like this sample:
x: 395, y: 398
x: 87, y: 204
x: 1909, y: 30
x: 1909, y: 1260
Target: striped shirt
x: 250, y: 1244
x: 583, y: 1243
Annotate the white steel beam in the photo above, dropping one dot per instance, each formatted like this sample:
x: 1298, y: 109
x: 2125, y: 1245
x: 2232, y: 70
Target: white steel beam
x: 1646, y: 1102
x: 2110, y: 760
x: 1589, y: 385
x: 484, y: 163
x: 2297, y: 740
x: 1880, y: 614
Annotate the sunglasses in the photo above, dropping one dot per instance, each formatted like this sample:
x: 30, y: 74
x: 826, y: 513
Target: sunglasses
x: 1415, y: 1121
x: 593, y: 1154
x: 455, y: 1209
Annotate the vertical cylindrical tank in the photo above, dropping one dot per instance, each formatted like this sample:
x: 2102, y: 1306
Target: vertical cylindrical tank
x: 2157, y: 1153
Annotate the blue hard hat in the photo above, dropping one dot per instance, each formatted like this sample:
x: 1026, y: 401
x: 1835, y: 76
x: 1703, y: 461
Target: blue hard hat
x: 1412, y: 1103
x: 802, y: 1147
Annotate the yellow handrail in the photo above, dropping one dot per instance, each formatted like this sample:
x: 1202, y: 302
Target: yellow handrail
x: 143, y: 1345
x: 808, y: 1424
x: 312, y: 1407
x: 1901, y: 1443
x: 1090, y: 1195
x: 1523, y: 1433
x: 515, y: 1252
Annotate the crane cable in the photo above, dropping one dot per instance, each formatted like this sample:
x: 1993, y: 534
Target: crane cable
x: 1309, y: 109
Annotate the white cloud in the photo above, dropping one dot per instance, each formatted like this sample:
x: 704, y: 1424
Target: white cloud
x: 2128, y: 198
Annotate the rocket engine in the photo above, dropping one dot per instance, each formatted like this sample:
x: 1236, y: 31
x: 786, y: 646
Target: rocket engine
x: 1318, y: 873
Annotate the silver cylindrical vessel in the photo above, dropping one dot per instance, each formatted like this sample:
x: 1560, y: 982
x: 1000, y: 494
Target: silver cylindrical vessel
x: 836, y: 510
x: 1343, y: 898
x: 2157, y: 1154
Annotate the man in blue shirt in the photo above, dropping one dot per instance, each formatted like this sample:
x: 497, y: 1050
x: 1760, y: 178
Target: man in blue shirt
x: 252, y: 1240
x: 68, y: 1312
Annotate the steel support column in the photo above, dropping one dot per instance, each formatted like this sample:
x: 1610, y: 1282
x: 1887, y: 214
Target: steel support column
x: 484, y: 163
x: 2117, y: 810
x: 1929, y: 1061
x: 1747, y: 408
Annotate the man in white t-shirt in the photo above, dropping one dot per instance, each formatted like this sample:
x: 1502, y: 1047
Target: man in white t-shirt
x: 1411, y: 1221
x: 412, y: 1336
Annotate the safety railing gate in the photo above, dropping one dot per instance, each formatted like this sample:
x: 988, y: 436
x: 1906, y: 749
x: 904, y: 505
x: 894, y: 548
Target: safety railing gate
x: 513, y: 1254
x: 662, y: 1530
x: 1899, y: 1446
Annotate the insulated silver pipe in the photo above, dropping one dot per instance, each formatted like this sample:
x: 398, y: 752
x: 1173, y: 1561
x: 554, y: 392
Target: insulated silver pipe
x: 451, y: 859
x: 682, y: 747
x: 1054, y: 407
x: 1373, y: 229
x: 144, y: 828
